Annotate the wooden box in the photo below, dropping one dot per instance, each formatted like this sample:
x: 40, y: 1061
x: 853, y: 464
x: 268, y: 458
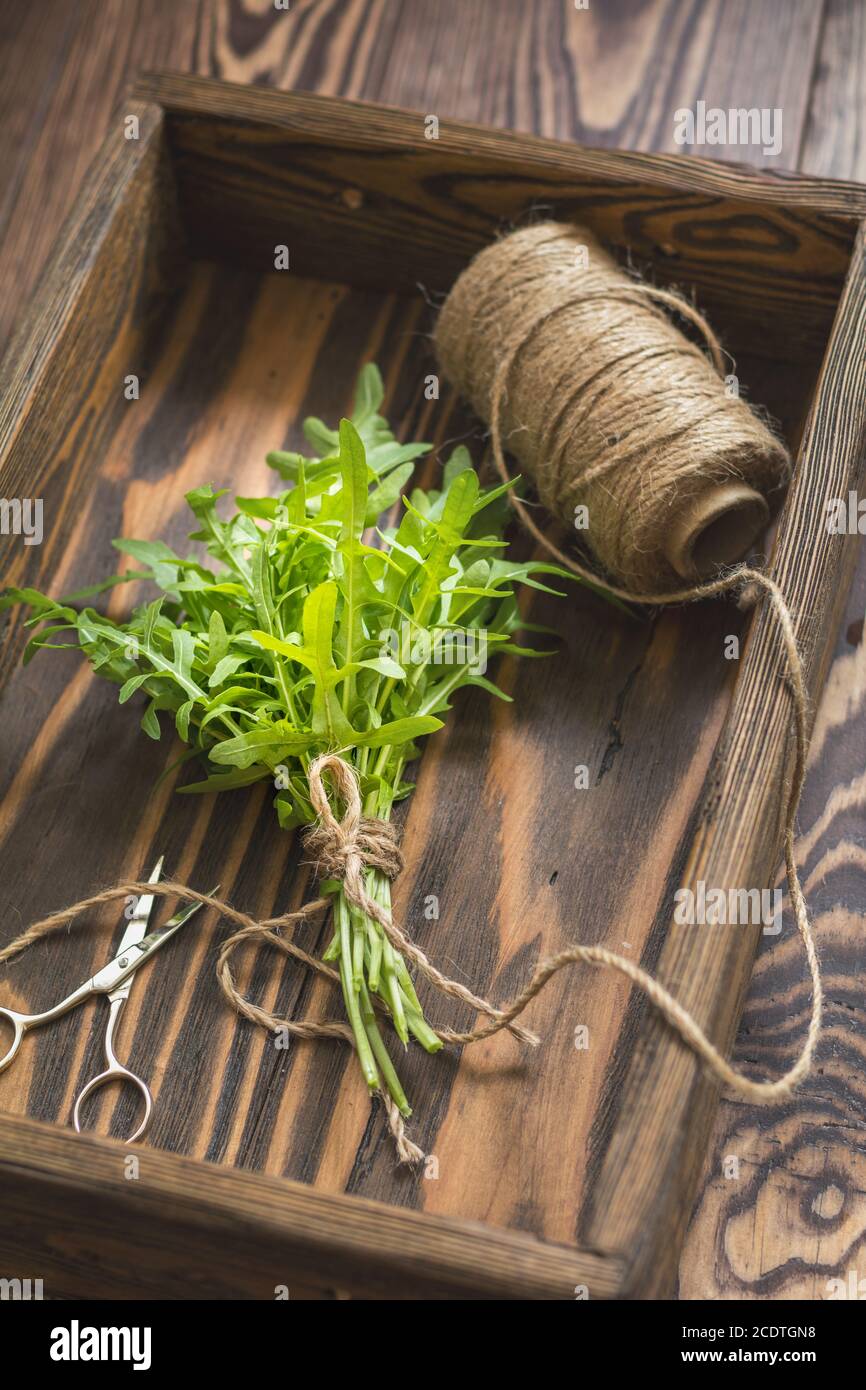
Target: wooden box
x: 557, y: 1171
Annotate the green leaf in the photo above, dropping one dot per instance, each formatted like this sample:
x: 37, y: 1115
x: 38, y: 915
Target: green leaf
x: 369, y: 393
x: 489, y: 686
x: 459, y: 462
x: 319, y: 437
x: 181, y: 719
x: 150, y: 723
x: 217, y: 640
x: 398, y: 731
x: 226, y: 781
x: 183, y: 647
x: 261, y: 745
x: 159, y: 557
x: 356, y: 586
x: 225, y: 667
x: 438, y: 567
x: 353, y: 470
x: 129, y: 687
x: 385, y: 494
x: 201, y: 500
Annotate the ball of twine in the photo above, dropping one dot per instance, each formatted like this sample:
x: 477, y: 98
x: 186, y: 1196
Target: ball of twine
x: 607, y: 406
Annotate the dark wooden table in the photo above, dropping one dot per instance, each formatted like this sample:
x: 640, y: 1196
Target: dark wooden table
x: 613, y: 75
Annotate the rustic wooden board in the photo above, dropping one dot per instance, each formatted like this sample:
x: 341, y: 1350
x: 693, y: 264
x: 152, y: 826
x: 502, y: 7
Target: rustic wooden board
x: 64, y: 68
x: 434, y: 57
x: 509, y: 874
x: 396, y: 208
x: 794, y: 1217
x: 252, y: 1237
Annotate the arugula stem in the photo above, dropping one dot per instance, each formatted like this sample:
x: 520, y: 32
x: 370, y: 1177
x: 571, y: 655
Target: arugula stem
x: 392, y: 988
x: 374, y: 965
x: 359, y: 936
x: 377, y: 1044
x: 420, y: 1028
x: 362, y: 1040
x: 405, y: 981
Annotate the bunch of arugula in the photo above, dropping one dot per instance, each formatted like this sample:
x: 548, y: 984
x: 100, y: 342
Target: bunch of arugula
x: 281, y: 648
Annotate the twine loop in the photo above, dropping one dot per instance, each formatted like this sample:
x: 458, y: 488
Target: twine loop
x: 343, y: 848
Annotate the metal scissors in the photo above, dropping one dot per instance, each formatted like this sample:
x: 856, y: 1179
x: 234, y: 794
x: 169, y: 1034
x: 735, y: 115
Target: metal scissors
x: 115, y: 980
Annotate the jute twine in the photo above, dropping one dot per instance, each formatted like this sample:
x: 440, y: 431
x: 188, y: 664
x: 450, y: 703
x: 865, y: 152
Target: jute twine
x: 600, y: 419
x: 602, y: 400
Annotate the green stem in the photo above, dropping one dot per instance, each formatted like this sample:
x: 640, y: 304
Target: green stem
x: 406, y: 984
x: 386, y: 1066
x: 374, y: 966
x: 420, y: 1028
x: 392, y: 989
x: 359, y: 936
x: 362, y: 1041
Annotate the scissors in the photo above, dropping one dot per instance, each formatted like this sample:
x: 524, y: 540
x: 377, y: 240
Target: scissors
x: 115, y: 980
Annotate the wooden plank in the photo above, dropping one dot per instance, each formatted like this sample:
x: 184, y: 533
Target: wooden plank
x: 608, y: 75
x: 67, y: 66
x: 396, y: 208
x: 779, y: 1211
x: 665, y: 1098
x: 308, y: 116
x: 62, y: 380
x: 180, y: 1229
x: 833, y: 135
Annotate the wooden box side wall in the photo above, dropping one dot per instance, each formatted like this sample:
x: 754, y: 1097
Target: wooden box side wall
x: 359, y: 194
x: 667, y: 1097
x: 97, y: 307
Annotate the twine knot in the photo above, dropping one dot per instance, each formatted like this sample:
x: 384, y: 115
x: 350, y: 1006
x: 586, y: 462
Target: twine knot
x: 343, y: 848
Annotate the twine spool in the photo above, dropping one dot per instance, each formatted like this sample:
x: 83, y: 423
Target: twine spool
x: 607, y: 405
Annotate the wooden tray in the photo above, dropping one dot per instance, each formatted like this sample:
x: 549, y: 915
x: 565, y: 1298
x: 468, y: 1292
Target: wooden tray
x: 557, y: 1171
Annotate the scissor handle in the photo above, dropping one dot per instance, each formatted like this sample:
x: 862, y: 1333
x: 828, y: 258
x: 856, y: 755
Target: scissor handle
x: 18, y: 1023
x: 116, y: 1072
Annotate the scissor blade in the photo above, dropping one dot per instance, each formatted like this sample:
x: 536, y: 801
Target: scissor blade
x: 155, y: 938
x: 111, y: 979
x: 137, y: 925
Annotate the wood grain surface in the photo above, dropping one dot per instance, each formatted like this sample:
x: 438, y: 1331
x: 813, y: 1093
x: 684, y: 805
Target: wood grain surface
x: 231, y: 380
x: 251, y: 1236
x: 613, y: 75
